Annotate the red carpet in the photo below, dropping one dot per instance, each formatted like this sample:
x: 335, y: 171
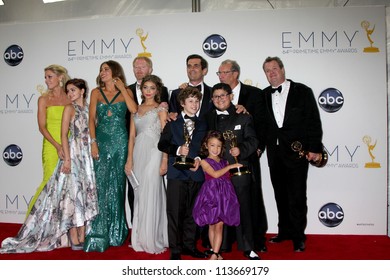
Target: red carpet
x: 318, y: 247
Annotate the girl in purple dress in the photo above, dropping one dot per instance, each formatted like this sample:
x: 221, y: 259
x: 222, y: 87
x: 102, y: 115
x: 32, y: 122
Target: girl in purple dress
x: 216, y: 203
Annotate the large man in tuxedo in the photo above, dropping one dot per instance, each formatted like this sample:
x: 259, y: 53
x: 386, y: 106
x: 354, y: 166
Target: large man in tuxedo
x: 225, y: 118
x: 250, y: 97
x: 289, y: 114
x: 142, y: 66
x: 197, y: 68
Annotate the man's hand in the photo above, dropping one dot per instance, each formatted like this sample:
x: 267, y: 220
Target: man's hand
x: 241, y: 109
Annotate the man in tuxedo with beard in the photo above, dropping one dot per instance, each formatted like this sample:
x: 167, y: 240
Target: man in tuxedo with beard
x: 250, y: 98
x: 290, y: 114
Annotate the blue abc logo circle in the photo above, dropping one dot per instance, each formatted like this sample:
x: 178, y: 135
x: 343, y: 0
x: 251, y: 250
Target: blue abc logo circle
x: 331, y: 215
x: 13, y: 55
x: 331, y: 100
x: 214, y: 45
x: 12, y: 155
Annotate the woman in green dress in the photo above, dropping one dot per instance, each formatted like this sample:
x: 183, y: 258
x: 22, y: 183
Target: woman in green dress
x: 107, y: 122
x: 51, y: 104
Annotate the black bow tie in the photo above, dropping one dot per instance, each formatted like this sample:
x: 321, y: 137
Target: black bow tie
x: 199, y: 87
x: 279, y: 89
x: 190, y: 118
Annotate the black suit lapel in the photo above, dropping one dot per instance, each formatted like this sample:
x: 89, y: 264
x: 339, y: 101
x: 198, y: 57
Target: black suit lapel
x: 243, y: 98
x: 133, y: 88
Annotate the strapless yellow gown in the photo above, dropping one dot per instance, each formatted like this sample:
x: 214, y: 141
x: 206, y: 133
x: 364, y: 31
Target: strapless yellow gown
x: 49, y: 152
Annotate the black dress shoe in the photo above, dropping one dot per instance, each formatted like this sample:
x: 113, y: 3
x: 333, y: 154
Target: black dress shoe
x: 195, y: 253
x: 251, y: 255
x: 175, y: 256
x: 277, y: 239
x: 261, y: 248
x: 299, y: 246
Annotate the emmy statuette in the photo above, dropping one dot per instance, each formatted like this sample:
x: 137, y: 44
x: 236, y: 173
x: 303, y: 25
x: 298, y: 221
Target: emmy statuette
x: 296, y: 146
x: 232, y: 139
x: 184, y: 162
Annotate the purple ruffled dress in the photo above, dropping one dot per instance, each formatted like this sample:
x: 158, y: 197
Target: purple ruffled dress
x: 217, y: 200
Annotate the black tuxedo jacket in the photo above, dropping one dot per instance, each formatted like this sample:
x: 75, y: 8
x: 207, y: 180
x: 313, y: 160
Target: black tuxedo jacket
x: 301, y: 123
x: 172, y: 138
x: 207, y: 104
x: 251, y: 97
x: 242, y: 127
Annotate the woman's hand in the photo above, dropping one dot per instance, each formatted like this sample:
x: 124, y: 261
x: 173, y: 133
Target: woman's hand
x: 66, y: 166
x: 60, y: 152
x: 163, y: 167
x: 95, y: 151
x: 128, y: 167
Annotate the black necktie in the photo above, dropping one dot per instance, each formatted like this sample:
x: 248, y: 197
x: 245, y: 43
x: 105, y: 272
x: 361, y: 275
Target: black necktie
x: 279, y: 89
x: 190, y: 118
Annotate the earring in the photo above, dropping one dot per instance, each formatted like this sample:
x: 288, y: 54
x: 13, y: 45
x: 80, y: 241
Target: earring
x: 61, y: 84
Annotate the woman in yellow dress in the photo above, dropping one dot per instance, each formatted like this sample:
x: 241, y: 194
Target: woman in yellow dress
x: 51, y: 104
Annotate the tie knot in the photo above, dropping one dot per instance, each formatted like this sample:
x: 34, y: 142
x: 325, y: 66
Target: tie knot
x: 225, y: 112
x: 199, y: 87
x: 190, y: 118
x: 278, y: 89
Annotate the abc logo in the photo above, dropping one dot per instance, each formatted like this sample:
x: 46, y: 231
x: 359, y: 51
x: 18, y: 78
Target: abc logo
x: 13, y: 55
x: 331, y: 215
x: 331, y: 100
x: 214, y: 45
x: 12, y: 155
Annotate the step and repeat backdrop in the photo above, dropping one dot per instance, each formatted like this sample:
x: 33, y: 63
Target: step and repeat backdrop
x: 339, y: 52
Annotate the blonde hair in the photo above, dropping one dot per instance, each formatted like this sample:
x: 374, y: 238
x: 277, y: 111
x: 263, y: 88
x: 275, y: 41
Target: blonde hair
x: 58, y: 70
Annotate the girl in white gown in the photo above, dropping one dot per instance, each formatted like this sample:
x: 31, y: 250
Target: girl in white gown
x: 149, y: 230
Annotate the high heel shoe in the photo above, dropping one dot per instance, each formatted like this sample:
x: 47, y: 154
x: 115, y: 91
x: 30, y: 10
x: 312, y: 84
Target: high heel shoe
x: 218, y: 255
x: 75, y: 247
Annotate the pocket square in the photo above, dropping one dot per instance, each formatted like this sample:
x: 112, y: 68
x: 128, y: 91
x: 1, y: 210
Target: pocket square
x: 237, y: 127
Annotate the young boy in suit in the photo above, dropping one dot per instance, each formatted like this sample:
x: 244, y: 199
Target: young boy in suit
x: 183, y: 184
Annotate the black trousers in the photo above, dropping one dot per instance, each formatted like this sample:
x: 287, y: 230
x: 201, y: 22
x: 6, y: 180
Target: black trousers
x: 259, y: 214
x: 289, y: 183
x: 244, y: 232
x: 182, y: 228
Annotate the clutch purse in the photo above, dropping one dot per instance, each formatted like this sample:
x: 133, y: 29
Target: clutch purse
x: 133, y: 180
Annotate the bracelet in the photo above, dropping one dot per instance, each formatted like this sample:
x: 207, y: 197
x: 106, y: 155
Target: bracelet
x: 93, y: 140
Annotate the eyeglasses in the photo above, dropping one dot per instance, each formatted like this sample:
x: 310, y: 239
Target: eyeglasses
x: 222, y: 96
x: 219, y: 73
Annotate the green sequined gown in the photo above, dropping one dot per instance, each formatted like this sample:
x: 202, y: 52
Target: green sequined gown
x: 109, y: 228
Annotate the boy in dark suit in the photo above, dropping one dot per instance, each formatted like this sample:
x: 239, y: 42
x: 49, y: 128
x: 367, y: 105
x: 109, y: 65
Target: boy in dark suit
x: 183, y: 184
x: 224, y: 118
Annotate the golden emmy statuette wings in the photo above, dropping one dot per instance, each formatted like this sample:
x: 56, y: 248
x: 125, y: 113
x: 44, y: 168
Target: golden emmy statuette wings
x: 366, y: 25
x: 296, y: 146
x: 370, y: 147
x: 142, y: 37
x: 184, y: 162
x: 229, y: 136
